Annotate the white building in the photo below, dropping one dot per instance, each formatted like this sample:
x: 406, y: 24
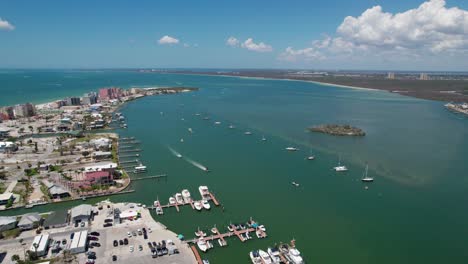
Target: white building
x: 6, y: 197
x: 42, y: 243
x: 8, y: 146
x: 78, y: 244
x: 81, y: 213
x: 7, y: 223
x: 29, y: 221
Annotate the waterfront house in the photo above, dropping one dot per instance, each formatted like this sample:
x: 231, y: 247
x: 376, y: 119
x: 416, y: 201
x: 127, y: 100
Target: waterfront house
x: 6, y: 197
x: 99, y: 177
x: 56, y: 219
x: 7, y: 223
x: 100, y: 155
x: 40, y: 245
x: 102, y: 166
x: 29, y: 221
x: 8, y: 147
x: 103, y: 144
x: 81, y: 213
x: 4, y: 133
x: 55, y: 191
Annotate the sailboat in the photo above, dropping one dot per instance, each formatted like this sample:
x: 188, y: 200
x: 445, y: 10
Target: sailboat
x: 310, y: 157
x: 340, y: 168
x: 367, y: 178
x: 263, y: 138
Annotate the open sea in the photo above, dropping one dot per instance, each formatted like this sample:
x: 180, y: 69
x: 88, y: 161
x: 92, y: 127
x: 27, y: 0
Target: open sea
x: 414, y: 212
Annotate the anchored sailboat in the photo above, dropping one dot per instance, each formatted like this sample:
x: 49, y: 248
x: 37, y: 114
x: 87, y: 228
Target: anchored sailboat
x: 367, y: 178
x: 340, y: 168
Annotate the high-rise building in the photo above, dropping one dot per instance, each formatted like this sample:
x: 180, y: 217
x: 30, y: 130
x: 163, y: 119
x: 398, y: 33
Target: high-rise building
x: 110, y: 93
x: 24, y: 110
x: 73, y: 101
x: 423, y: 76
x: 6, y: 113
x: 89, y: 98
x: 391, y: 75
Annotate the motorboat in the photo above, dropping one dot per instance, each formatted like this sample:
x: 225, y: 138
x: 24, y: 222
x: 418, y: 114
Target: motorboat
x: 204, y: 192
x: 222, y: 242
x: 217, y: 123
x: 206, y: 204
x: 140, y: 169
x: 198, y: 114
x: 214, y: 230
x: 274, y: 254
x: 205, y: 169
x: 200, y: 233
x: 265, y: 257
x: 340, y: 168
x: 248, y: 133
x: 198, y: 205
x: 230, y: 228
x: 284, y: 249
x: 247, y: 235
x: 179, y: 198
x: 367, y: 178
x: 186, y: 196
x: 310, y: 158
x: 292, y: 149
x: 231, y: 127
x: 295, y: 256
x: 190, y: 130
x: 262, y: 227
x: 209, y: 244
x: 295, y: 184
x: 202, y: 245
x: 156, y: 203
x: 206, y: 118
x: 205, y: 261
x: 263, y: 138
x: 159, y: 211
x: 259, y: 233
x: 255, y: 257
x: 172, y: 200
x: 182, y: 140
x: 179, y: 155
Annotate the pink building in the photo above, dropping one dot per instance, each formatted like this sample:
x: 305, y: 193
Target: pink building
x: 99, y: 177
x: 110, y: 93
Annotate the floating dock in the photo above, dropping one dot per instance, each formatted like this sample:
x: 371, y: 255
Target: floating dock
x: 130, y: 150
x: 149, y: 177
x: 178, y: 205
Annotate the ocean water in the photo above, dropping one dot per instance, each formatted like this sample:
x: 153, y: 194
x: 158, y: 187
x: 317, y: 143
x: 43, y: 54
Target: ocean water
x: 414, y: 212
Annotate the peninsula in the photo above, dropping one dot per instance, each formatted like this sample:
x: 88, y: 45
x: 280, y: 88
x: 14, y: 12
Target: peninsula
x: 338, y: 130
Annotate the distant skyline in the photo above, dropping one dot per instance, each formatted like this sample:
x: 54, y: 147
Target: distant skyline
x: 419, y: 35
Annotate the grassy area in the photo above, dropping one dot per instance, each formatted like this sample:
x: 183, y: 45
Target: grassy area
x: 2, y: 187
x: 11, y: 233
x: 45, y: 191
x: 31, y: 172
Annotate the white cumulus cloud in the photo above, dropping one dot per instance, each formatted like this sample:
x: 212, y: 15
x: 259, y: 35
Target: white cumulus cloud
x: 232, y: 41
x: 429, y: 30
x: 5, y: 25
x: 259, y: 47
x: 168, y: 40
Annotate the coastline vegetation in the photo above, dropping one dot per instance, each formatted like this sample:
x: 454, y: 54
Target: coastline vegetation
x: 338, y: 130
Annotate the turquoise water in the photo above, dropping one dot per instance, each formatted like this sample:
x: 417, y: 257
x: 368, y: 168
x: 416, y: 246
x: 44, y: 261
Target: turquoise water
x: 414, y: 212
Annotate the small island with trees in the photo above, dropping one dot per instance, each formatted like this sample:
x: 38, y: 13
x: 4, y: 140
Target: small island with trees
x: 338, y: 130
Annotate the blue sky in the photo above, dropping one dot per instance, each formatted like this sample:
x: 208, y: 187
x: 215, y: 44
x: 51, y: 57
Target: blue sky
x: 115, y: 34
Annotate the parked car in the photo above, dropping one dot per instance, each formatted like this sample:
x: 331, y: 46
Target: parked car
x: 107, y: 224
x: 125, y: 241
x: 95, y: 244
x: 72, y: 235
x: 82, y: 224
x: 140, y: 247
x: 92, y: 238
x: 149, y: 230
x: 121, y: 242
x: 64, y: 241
x: 108, y: 220
x: 150, y: 245
x: 116, y: 243
x: 90, y: 253
x: 134, y: 233
x: 131, y: 248
x: 139, y: 232
x: 129, y: 234
x: 114, y: 258
x: 95, y: 233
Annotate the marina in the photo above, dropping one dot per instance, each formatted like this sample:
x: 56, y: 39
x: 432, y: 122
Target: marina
x: 181, y: 200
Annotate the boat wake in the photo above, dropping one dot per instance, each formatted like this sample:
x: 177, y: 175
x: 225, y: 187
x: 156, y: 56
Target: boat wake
x: 175, y: 153
x: 196, y: 164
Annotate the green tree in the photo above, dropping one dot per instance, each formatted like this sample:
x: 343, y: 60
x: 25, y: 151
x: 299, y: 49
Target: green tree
x: 15, y: 258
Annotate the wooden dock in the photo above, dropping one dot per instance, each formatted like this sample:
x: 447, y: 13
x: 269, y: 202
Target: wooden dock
x: 130, y: 161
x: 130, y: 150
x: 149, y: 177
x: 197, y: 255
x: 213, y: 198
x: 237, y: 233
x: 129, y: 156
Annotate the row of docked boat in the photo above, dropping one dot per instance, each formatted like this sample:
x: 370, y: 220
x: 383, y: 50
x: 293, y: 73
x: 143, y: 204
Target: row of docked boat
x: 184, y: 197
x: 275, y: 255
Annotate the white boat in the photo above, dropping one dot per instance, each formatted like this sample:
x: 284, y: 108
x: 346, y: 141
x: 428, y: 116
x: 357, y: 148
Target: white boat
x: 292, y: 149
x: 310, y: 157
x: 206, y: 204
x: 231, y: 127
x: 367, y: 178
x: 274, y: 254
x: 295, y: 256
x: 340, y: 168
x: 186, y: 196
x: 179, y: 198
x: 262, y: 227
x: 172, y: 200
x: 200, y: 233
x: 217, y: 123
x: 222, y: 243
x: 248, y: 133
x: 178, y: 155
x: 255, y: 257
x: 198, y: 205
x: 182, y: 140
x: 265, y: 257
x: 202, y: 245
x: 263, y: 138
x: 204, y: 192
x: 295, y: 184
x: 198, y: 114
x: 205, y: 261
x: 140, y: 168
x: 190, y: 130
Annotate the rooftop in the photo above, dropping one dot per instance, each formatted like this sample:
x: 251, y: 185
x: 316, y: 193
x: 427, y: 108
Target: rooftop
x: 83, y: 209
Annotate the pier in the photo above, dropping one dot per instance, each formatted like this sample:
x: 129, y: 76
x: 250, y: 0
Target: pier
x: 129, y: 156
x: 130, y: 150
x: 149, y: 177
x: 197, y: 255
x: 130, y: 161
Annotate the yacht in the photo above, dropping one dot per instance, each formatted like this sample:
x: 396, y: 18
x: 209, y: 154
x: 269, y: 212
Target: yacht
x: 295, y: 256
x: 255, y: 257
x: 202, y: 245
x: 248, y: 133
x: 186, y: 196
x: 340, y: 168
x: 204, y: 192
x: 206, y: 204
x: 198, y: 205
x: 292, y: 149
x: 295, y: 184
x: 367, y: 178
x: 172, y: 200
x: 200, y: 233
x: 266, y: 259
x: 274, y: 254
x: 140, y: 169
x: 179, y: 198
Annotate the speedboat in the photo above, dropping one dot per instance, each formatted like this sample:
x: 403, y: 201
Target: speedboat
x: 263, y: 138
x: 292, y: 149
x: 206, y: 205
x: 222, y: 243
x: 179, y: 198
x: 186, y: 196
x: 217, y: 123
x: 172, y: 200
x: 265, y: 257
x: 295, y: 184
x: 204, y: 192
x: 181, y: 140
x: 202, y: 245
x: 274, y: 254
x: 200, y: 233
x: 178, y: 155
x: 248, y: 133
x: 205, y: 261
x: 198, y: 205
x: 190, y: 130
x: 311, y: 158
x: 255, y: 257
x: 295, y: 256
